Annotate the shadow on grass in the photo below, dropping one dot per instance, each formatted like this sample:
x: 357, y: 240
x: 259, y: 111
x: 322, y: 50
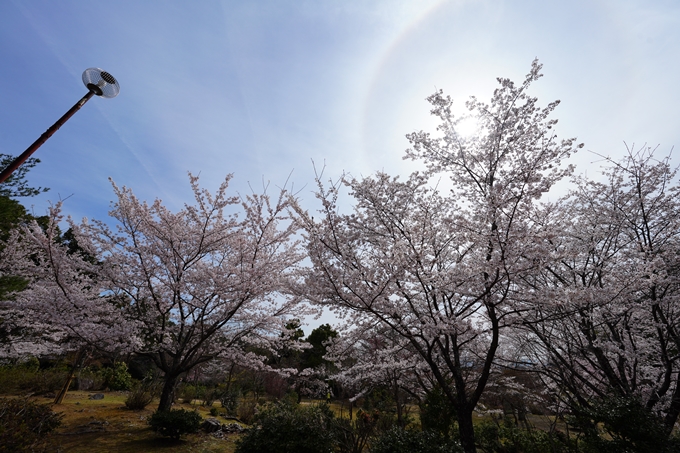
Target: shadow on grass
x: 121, y: 441
x: 152, y: 444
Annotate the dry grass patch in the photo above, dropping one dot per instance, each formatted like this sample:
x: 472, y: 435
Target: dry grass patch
x: 108, y: 426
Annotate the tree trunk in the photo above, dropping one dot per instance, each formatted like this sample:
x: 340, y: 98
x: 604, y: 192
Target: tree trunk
x: 168, y: 393
x: 466, y: 431
x: 399, y: 406
x: 62, y: 393
x: 77, y: 364
x: 674, y: 409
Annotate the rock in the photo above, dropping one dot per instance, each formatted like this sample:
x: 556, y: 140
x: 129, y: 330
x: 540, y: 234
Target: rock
x: 97, y: 396
x: 232, y: 428
x: 95, y: 426
x: 98, y: 423
x: 211, y: 425
x: 84, y: 384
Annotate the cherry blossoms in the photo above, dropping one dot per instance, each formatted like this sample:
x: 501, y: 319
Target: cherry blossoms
x: 442, y: 272
x: 64, y: 305
x: 487, y: 293
x: 181, y: 288
x: 605, y: 317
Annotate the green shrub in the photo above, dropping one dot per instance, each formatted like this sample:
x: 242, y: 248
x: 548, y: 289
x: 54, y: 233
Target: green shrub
x: 229, y: 401
x: 50, y: 380
x: 509, y: 438
x: 284, y: 428
x: 246, y: 411
x: 138, y: 398
x: 118, y: 377
x: 618, y: 424
x: 437, y: 414
x: 190, y: 392
x: 211, y: 395
x: 31, y: 364
x: 28, y: 378
x: 143, y: 392
x: 175, y: 422
x: 24, y: 423
x: 12, y: 378
x: 397, y: 440
x: 353, y: 435
x: 90, y: 379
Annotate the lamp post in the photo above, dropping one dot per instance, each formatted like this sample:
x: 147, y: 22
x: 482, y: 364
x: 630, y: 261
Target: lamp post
x: 98, y: 82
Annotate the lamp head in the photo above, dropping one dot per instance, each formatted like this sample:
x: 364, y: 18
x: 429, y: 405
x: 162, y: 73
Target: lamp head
x: 101, y: 83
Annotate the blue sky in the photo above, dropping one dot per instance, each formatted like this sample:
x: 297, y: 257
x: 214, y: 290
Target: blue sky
x: 262, y: 88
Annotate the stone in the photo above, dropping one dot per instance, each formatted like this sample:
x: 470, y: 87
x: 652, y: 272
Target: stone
x: 232, y: 428
x: 97, y: 396
x: 84, y: 384
x: 211, y: 425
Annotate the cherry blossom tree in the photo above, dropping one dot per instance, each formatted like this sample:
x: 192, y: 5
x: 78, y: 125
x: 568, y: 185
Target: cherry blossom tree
x: 606, y: 318
x: 209, y: 281
x: 61, y: 307
x: 204, y: 282
x: 443, y: 272
x: 368, y: 358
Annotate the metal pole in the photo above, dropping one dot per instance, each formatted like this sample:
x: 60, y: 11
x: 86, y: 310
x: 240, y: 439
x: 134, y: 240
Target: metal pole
x: 43, y: 138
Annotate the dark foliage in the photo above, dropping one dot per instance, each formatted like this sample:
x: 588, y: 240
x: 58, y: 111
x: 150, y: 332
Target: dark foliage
x: 176, y: 422
x: 353, y: 435
x: 285, y: 428
x: 436, y: 413
x: 117, y: 377
x: 141, y: 396
x: 16, y: 185
x: 619, y: 425
x: 397, y: 440
x: 313, y: 357
x: 23, y: 378
x: 507, y: 437
x: 24, y: 424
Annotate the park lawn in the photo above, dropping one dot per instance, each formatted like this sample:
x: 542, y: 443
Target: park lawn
x: 108, y: 426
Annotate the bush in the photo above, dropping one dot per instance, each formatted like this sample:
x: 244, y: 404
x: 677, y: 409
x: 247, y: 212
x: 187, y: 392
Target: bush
x: 90, y: 379
x: 508, y: 437
x: 174, y: 423
x: 24, y: 423
x: 229, y: 401
x: 284, y: 428
x: 618, y: 424
x: 28, y: 378
x: 247, y: 409
x: 50, y: 380
x: 13, y: 378
x: 397, y: 440
x: 437, y: 414
x: 138, y: 398
x: 190, y: 392
x: 142, y: 394
x: 353, y: 435
x: 118, y: 377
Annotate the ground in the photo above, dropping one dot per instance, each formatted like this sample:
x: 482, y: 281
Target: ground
x: 108, y: 426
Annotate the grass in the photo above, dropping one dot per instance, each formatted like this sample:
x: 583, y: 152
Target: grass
x: 108, y: 426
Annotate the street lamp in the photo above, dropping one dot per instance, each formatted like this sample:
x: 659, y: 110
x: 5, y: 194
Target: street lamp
x: 98, y: 82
